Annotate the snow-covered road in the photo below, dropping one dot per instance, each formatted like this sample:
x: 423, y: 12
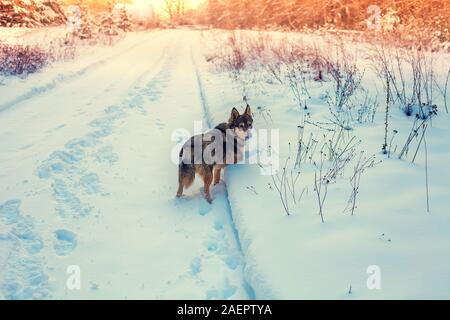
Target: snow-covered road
x: 87, y: 181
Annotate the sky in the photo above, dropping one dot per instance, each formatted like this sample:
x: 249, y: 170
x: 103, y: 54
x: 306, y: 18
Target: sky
x: 143, y: 5
x: 160, y: 4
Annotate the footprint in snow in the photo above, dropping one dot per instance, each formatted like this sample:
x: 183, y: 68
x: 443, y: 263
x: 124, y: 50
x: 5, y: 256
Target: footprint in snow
x: 22, y: 271
x: 67, y: 202
x: 23, y: 229
x: 60, y: 161
x: 93, y: 286
x: 204, y: 207
x: 91, y: 183
x: 10, y: 212
x: 212, y: 246
x: 226, y: 292
x: 116, y: 112
x: 85, y: 142
x: 65, y: 242
x: 218, y: 224
x: 160, y: 125
x: 106, y: 155
x: 195, y: 266
x: 30, y: 240
x: 232, y: 260
x: 23, y: 278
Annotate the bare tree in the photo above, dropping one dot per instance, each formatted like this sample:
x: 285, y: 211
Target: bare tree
x: 175, y: 9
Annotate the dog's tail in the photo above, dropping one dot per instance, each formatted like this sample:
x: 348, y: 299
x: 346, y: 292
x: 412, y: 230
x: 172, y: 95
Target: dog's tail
x: 181, y: 153
x: 186, y: 172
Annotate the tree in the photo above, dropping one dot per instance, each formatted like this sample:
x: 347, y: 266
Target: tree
x: 108, y: 26
x: 124, y: 21
x: 84, y: 28
x: 175, y: 10
x: 30, y: 13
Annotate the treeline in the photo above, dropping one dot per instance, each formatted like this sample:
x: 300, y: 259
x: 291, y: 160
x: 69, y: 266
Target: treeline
x: 426, y: 15
x: 30, y: 13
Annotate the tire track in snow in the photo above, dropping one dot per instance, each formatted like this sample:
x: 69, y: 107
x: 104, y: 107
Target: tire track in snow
x: 209, y: 122
x: 62, y: 78
x: 212, y: 266
x: 252, y: 275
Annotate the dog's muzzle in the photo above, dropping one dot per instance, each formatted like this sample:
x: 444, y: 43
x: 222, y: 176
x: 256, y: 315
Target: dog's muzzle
x: 248, y: 136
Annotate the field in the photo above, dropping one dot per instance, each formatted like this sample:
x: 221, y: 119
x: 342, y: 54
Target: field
x: 348, y: 199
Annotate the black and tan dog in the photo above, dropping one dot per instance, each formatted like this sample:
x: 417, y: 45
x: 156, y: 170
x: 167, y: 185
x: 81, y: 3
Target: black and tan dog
x: 206, y: 154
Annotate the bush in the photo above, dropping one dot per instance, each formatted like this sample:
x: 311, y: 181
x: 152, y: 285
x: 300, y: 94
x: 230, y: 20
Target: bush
x: 21, y: 60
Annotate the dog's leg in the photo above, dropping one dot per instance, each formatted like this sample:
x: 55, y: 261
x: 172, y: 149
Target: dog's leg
x: 207, y: 177
x: 180, y: 190
x: 186, y: 176
x: 217, y: 175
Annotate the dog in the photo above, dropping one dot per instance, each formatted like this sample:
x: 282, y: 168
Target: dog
x: 207, y: 154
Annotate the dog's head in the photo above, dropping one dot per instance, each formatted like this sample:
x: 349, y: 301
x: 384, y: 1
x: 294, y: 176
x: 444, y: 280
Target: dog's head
x: 241, y: 123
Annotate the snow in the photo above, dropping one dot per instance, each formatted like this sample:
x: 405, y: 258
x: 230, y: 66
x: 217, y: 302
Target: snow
x: 88, y: 140
x: 298, y: 257
x: 87, y: 180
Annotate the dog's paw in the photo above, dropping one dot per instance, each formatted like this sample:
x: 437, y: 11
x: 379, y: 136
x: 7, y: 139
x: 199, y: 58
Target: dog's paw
x: 204, y: 208
x: 209, y: 199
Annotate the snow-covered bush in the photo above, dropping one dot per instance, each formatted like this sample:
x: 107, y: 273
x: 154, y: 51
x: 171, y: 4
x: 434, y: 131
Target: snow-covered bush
x: 411, y: 78
x: 83, y: 22
x: 292, y: 63
x: 21, y: 60
x: 322, y: 158
x: 345, y: 76
x: 249, y: 60
x: 294, y: 58
x: 124, y: 21
x: 232, y: 56
x: 108, y: 26
x: 62, y: 48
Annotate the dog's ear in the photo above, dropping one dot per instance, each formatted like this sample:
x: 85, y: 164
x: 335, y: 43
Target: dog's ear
x: 248, y: 111
x: 234, y: 115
